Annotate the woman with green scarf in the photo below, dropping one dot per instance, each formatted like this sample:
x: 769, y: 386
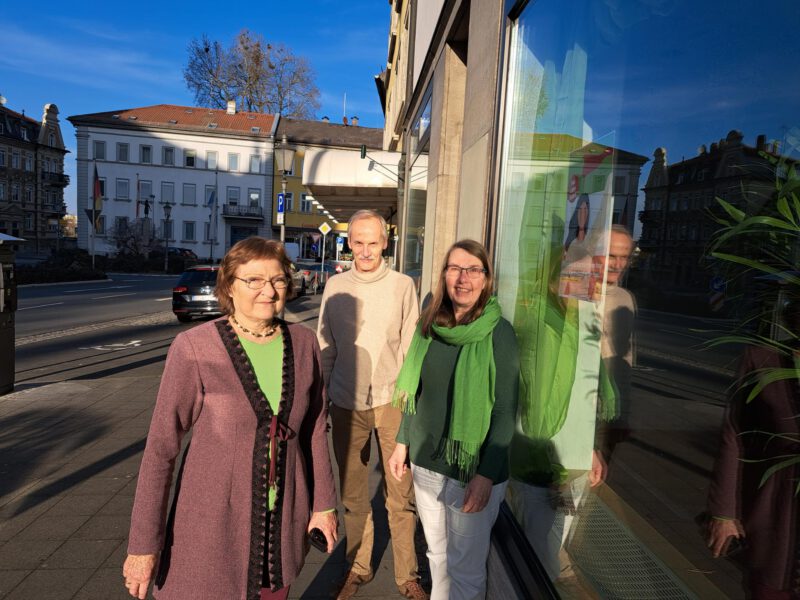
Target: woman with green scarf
x: 458, y: 390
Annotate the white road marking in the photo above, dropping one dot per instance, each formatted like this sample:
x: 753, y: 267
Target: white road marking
x: 113, y: 296
x: 102, y: 289
x: 163, y: 299
x: 114, y: 347
x: 40, y: 306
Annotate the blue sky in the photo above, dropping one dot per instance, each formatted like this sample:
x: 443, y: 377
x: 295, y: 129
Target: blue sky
x: 86, y: 58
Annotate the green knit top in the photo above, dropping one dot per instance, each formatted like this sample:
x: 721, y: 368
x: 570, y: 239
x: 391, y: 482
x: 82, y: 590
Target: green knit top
x: 423, y: 431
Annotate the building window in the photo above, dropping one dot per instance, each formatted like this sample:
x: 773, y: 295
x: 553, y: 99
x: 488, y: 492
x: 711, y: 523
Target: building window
x: 120, y: 225
x: 101, y: 225
x: 189, y: 158
x: 189, y: 193
x: 619, y: 184
x: 51, y: 139
x: 288, y: 202
x: 167, y: 192
x: 211, y: 160
x: 146, y: 154
x: 208, y: 234
x: 28, y: 219
x: 15, y: 160
x: 233, y: 162
x: 123, y: 189
x: 255, y: 163
x: 24, y: 132
x: 2, y: 157
x: 168, y: 156
x: 14, y: 192
x: 28, y: 195
x: 28, y: 162
x: 122, y: 152
x: 145, y: 190
x: 2, y: 190
x: 305, y: 204
x: 102, y: 181
x: 210, y: 189
x: 232, y: 196
x: 254, y: 196
x: 188, y: 231
x: 99, y: 150
x: 166, y: 229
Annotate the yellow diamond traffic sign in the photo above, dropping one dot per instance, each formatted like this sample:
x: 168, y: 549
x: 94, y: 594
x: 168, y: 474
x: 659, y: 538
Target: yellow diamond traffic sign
x: 325, y: 229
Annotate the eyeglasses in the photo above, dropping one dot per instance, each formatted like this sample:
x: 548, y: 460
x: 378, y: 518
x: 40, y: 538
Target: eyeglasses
x: 257, y: 283
x: 472, y: 272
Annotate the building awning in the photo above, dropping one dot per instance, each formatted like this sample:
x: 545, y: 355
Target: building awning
x: 343, y: 182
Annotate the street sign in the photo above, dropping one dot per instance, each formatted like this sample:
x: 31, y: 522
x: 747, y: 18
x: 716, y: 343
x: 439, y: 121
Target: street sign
x: 280, y: 205
x: 280, y: 219
x: 325, y: 229
x: 96, y: 213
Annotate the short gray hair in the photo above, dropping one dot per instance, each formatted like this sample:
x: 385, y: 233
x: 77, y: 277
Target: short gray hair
x: 363, y: 214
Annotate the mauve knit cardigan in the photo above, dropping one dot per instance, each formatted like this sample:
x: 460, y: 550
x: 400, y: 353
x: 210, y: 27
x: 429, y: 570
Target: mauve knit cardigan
x: 213, y: 541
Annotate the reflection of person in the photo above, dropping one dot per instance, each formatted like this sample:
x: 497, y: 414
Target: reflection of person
x: 366, y: 322
x: 459, y: 387
x: 616, y: 341
x: 256, y: 475
x: 757, y: 435
x: 577, y: 261
x: 579, y: 222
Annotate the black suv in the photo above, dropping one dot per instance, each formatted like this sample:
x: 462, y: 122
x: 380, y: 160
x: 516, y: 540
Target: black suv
x: 193, y: 295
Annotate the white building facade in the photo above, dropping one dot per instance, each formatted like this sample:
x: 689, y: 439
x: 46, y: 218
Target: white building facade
x: 200, y: 178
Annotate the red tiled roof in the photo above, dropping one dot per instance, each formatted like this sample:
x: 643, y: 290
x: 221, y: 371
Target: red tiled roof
x: 182, y: 118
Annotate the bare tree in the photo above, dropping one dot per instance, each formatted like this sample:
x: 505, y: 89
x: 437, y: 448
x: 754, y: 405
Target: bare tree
x: 134, y: 239
x: 261, y: 77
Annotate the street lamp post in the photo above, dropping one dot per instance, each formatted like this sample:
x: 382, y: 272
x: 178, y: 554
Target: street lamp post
x: 284, y: 156
x: 167, y: 213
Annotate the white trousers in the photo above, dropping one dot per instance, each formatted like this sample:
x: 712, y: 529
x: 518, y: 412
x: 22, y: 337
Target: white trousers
x: 458, y: 542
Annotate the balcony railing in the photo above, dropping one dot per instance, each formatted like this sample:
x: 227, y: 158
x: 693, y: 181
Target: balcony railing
x: 247, y: 212
x: 55, y: 178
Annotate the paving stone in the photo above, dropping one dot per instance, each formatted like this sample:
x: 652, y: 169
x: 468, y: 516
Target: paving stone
x: 26, y: 554
x: 9, y: 580
x: 56, y: 584
x: 80, y: 554
x: 101, y: 485
x: 79, y: 505
x: 117, y: 557
x: 52, y: 528
x: 104, y: 584
x: 121, y: 505
x: 102, y: 527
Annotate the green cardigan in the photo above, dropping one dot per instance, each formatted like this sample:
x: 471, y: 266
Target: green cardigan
x: 422, y: 431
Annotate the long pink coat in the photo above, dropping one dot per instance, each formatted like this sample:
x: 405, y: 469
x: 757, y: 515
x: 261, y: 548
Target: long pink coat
x: 213, y: 540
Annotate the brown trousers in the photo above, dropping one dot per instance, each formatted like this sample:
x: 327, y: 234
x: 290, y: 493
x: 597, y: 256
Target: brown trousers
x: 352, y: 430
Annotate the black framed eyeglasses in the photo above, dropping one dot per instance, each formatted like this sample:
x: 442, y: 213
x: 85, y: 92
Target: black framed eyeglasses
x: 257, y: 283
x: 472, y: 272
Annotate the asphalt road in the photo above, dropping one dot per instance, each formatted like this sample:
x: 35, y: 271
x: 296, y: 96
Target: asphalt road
x: 57, y: 307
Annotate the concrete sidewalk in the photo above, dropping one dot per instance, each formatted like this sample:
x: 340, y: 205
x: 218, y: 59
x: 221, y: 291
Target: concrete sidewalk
x: 69, y: 457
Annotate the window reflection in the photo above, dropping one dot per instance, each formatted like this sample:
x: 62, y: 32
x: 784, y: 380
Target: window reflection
x: 647, y: 255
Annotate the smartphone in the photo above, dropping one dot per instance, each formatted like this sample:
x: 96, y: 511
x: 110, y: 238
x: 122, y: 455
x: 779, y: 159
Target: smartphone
x: 317, y: 539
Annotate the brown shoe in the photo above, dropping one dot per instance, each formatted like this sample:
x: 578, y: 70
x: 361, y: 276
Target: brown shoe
x: 412, y: 589
x: 348, y: 587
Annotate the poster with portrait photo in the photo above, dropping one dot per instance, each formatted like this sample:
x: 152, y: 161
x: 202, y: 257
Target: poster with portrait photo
x: 588, y: 221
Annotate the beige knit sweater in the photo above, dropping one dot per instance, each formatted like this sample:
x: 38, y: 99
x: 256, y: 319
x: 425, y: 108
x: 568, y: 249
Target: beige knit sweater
x: 366, y: 322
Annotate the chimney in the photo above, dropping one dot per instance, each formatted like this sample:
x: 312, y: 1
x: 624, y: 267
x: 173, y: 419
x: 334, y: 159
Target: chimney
x: 761, y: 142
x: 354, y: 121
x: 231, y: 107
x: 325, y: 119
x: 344, y: 120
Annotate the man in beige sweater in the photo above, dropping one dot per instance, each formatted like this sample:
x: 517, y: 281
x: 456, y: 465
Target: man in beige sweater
x: 367, y: 318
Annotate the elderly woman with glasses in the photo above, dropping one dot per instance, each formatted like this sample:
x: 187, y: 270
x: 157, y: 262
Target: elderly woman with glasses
x: 256, y: 475
x: 458, y: 389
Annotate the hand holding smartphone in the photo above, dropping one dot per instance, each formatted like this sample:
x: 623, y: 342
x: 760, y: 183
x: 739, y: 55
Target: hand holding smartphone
x: 318, y: 540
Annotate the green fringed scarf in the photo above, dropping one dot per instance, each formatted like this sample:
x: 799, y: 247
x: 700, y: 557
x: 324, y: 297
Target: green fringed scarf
x: 473, y: 386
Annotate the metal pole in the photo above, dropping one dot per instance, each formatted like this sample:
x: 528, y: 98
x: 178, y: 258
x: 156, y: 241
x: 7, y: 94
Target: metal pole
x: 166, y: 243
x: 322, y: 262
x: 283, y: 225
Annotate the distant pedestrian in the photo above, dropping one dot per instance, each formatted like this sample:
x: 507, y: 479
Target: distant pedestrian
x: 256, y: 475
x: 366, y: 321
x: 458, y: 388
